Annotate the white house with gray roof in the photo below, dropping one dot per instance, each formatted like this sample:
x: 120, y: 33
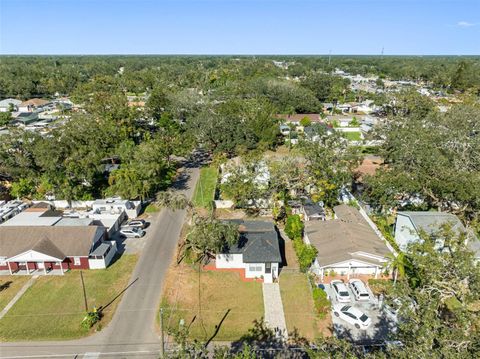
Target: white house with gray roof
x: 409, y: 225
x: 257, y: 251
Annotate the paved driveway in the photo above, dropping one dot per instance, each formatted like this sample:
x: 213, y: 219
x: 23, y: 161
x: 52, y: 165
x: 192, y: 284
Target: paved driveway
x: 132, y: 332
x: 379, y: 329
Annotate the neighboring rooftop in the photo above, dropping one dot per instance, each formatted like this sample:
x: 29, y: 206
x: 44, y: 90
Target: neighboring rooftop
x: 33, y: 218
x: 431, y: 222
x: 344, y: 238
x: 59, y: 242
x: 34, y: 102
x: 6, y: 103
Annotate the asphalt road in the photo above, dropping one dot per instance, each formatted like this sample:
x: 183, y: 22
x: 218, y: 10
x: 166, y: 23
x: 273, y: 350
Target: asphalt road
x: 132, y: 332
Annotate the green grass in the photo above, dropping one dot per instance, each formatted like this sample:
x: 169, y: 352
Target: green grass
x: 299, y: 307
x: 353, y: 136
x: 220, y: 292
x: 151, y: 208
x: 53, y: 307
x: 205, y: 189
x: 10, y: 285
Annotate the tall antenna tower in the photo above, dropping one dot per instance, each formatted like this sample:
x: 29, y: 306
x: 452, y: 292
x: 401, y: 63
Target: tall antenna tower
x: 381, y: 55
x: 329, y: 56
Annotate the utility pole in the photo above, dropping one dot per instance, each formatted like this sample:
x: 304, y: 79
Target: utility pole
x: 329, y: 57
x: 84, y: 292
x: 162, y: 348
x: 381, y: 56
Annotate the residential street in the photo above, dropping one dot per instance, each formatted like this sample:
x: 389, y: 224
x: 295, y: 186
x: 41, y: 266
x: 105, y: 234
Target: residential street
x: 132, y: 330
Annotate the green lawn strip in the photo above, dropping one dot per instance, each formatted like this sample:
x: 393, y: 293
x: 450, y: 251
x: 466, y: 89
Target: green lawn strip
x: 9, y: 286
x: 221, y: 292
x: 298, y: 305
x: 353, y: 136
x: 53, y: 307
x: 205, y: 188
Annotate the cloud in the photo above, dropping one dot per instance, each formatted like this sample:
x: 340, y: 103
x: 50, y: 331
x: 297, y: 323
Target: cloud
x: 465, y: 24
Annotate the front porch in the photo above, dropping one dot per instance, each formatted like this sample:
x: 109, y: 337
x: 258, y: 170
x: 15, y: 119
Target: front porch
x: 4, y: 272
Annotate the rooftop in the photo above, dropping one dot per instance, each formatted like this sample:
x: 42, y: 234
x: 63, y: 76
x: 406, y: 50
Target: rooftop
x: 344, y: 238
x: 258, y: 242
x: 59, y: 242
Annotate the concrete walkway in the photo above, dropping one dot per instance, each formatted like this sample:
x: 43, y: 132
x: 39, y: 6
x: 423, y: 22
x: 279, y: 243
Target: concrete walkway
x: 18, y: 296
x: 274, y: 315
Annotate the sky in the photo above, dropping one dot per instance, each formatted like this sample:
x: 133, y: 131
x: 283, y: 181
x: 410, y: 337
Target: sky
x: 400, y: 27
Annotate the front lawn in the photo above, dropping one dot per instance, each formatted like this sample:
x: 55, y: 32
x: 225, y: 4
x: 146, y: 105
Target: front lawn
x: 299, y: 308
x: 53, y: 307
x: 221, y: 295
x: 9, y: 286
x: 353, y: 136
x: 205, y: 188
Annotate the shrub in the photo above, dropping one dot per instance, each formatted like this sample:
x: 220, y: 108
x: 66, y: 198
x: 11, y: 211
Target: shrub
x: 294, y: 227
x: 380, y: 286
x: 91, y: 318
x: 305, y: 122
x: 322, y: 304
x: 305, y: 253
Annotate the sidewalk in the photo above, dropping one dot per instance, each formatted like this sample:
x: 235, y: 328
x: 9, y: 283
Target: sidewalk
x: 274, y: 315
x: 18, y: 296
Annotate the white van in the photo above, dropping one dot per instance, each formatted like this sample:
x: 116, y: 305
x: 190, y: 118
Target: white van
x: 359, y: 290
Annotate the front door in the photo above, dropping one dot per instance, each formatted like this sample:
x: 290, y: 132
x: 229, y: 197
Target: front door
x: 40, y: 265
x: 268, y: 268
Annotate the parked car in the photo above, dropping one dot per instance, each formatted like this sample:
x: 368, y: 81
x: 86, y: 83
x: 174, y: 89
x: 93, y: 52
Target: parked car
x: 359, y: 290
x: 132, y: 232
x: 139, y: 223
x: 352, y: 315
x: 341, y: 291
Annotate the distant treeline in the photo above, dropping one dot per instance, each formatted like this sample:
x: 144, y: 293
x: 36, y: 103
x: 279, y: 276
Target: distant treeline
x: 42, y: 76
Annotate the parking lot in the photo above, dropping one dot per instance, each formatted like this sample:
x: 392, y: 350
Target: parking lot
x: 132, y: 245
x: 379, y: 329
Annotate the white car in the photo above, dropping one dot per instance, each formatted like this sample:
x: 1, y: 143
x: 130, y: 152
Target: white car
x: 341, y: 291
x: 139, y: 223
x: 352, y: 315
x: 132, y: 232
x: 359, y: 290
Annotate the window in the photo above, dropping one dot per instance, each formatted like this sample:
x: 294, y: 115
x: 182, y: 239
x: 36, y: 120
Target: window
x: 255, y: 268
x: 76, y: 261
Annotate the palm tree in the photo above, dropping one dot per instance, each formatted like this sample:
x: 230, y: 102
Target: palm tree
x: 173, y: 200
x: 399, y: 264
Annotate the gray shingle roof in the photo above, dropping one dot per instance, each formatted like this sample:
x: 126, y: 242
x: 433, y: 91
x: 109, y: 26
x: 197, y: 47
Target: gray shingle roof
x: 342, y: 239
x: 431, y: 222
x: 258, y: 242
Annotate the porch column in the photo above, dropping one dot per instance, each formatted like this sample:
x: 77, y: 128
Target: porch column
x: 376, y: 272
x: 44, y: 268
x: 349, y: 270
x: 9, y: 268
x: 322, y: 271
x: 28, y: 269
x: 61, y: 267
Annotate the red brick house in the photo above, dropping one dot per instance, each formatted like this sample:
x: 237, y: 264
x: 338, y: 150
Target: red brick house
x: 45, y: 249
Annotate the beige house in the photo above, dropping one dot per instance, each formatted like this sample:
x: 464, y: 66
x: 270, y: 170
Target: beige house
x: 346, y: 245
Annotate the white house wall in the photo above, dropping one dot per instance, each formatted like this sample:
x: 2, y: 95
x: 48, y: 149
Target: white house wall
x: 341, y: 268
x: 404, y: 231
x: 225, y: 261
x: 103, y: 263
